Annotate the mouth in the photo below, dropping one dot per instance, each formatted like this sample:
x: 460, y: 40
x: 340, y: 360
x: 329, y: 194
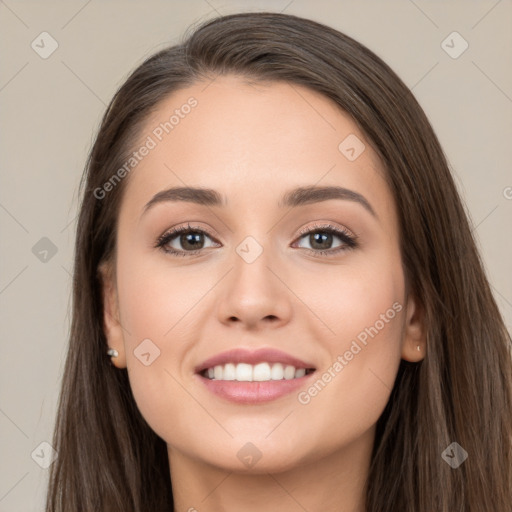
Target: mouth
x: 245, y: 376
x: 261, y: 372
x: 260, y: 365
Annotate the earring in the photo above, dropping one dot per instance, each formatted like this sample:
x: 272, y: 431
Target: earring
x: 418, y: 348
x: 112, y: 352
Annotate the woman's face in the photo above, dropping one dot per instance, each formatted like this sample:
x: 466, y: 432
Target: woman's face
x: 311, y: 280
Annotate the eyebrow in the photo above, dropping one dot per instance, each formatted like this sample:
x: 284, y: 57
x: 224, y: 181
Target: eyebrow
x: 297, y: 197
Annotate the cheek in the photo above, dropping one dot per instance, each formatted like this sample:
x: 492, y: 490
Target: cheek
x: 157, y: 316
x: 365, y: 310
x: 156, y: 301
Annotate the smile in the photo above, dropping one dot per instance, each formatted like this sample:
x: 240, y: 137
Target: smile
x: 261, y: 372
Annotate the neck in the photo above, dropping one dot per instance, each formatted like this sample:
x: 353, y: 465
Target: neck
x: 335, y: 482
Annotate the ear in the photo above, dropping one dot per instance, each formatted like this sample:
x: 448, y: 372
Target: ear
x: 414, y: 332
x: 111, y: 323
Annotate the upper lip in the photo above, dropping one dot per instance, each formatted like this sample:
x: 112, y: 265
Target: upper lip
x: 240, y: 355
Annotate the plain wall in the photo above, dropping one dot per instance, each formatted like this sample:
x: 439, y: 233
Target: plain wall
x: 51, y: 108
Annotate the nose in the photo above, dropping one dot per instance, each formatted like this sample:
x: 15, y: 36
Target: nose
x: 254, y: 294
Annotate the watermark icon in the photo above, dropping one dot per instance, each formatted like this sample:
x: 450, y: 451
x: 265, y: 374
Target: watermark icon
x: 249, y: 249
x: 454, y: 45
x: 507, y: 192
x: 44, y: 45
x: 147, y: 352
x: 304, y: 397
x: 157, y: 135
x: 44, y: 455
x: 454, y: 455
x: 44, y: 250
x: 249, y: 454
x: 351, y: 147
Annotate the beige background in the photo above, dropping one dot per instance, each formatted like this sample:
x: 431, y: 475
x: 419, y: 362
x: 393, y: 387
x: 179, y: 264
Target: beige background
x: 51, y: 109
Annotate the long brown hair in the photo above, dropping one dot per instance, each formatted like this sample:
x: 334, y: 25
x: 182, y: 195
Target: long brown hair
x: 108, y: 457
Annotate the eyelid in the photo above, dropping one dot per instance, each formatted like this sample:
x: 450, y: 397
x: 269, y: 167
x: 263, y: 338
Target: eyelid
x: 328, y: 227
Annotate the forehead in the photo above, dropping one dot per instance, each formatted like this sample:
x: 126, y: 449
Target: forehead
x: 231, y: 116
x: 252, y: 138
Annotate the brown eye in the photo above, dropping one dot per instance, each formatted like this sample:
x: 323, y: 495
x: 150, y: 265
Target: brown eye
x: 321, y: 239
x: 183, y: 241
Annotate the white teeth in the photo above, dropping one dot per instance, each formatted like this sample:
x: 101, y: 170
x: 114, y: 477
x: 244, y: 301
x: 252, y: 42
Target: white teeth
x: 229, y: 372
x: 243, y: 372
x: 289, y: 372
x: 277, y: 372
x: 300, y: 373
x: 217, y: 372
x: 260, y: 372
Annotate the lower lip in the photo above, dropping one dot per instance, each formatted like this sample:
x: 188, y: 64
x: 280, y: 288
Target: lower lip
x: 253, y: 392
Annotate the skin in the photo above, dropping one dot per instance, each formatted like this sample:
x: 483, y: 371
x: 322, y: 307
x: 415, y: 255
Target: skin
x: 252, y: 143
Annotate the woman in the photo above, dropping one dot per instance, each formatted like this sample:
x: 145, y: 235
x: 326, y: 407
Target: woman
x: 218, y: 363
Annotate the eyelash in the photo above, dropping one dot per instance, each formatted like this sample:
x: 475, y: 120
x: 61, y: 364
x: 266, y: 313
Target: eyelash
x: 349, y: 241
